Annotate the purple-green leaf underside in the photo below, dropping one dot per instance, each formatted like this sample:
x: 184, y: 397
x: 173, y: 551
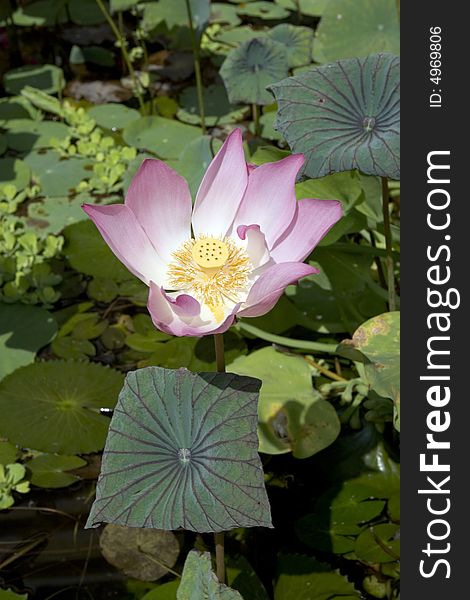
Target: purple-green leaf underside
x: 344, y: 115
x: 182, y: 452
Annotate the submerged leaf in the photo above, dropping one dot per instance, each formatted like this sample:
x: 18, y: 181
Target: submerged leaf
x: 182, y: 452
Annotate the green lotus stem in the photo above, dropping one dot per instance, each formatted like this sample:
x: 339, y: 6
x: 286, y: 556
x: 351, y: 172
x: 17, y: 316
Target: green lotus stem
x: 288, y: 342
x: 122, y: 43
x: 388, y: 246
x: 219, y: 535
x: 255, y: 114
x: 197, y: 68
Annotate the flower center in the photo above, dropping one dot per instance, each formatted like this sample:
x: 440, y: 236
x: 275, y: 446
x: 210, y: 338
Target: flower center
x: 214, y: 270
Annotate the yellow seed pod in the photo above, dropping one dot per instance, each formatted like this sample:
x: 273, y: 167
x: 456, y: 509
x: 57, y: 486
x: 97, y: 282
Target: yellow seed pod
x: 210, y: 253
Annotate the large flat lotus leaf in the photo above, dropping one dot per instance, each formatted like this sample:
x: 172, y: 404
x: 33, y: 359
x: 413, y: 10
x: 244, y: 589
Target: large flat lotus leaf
x: 42, y: 13
x: 85, y: 12
x: 113, y: 115
x: 344, y: 116
x: 9, y: 594
x: 174, y: 14
x: 16, y: 107
x: 145, y: 554
x: 25, y: 135
x: 58, y: 177
x: 182, y: 452
x: 224, y: 13
x: 310, y: 8
x: 23, y: 331
x: 379, y: 341
x: 304, y: 578
x: 8, y: 453
x: 292, y: 415
x: 263, y: 10
x: 88, y: 253
x: 15, y: 172
x: 238, y: 35
x: 164, y: 137
x: 54, y: 406
x: 379, y: 544
x: 48, y: 78
x: 199, y: 580
x: 52, y: 215
x: 50, y: 470
x: 251, y: 67
x: 298, y: 42
x: 357, y: 28
x: 217, y: 109
x: 242, y: 577
x: 195, y: 159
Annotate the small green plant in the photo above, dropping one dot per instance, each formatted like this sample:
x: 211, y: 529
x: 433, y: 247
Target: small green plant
x: 12, y: 480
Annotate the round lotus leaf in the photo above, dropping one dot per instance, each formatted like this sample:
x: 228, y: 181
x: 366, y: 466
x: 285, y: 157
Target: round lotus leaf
x: 217, y: 109
x: 165, y: 137
x: 57, y: 176
x: 15, y: 172
x: 113, y: 115
x: 25, y: 135
x: 309, y: 8
x: 139, y: 553
x: 200, y: 581
x: 292, y: 415
x: 251, y: 67
x: 41, y: 13
x: 8, y: 453
x: 85, y: 12
x: 195, y: 159
x: 344, y: 116
x: 16, y: 108
x: 224, y: 13
x: 50, y: 470
x: 54, y: 406
x: 263, y: 10
x: 298, y: 42
x: 23, y: 331
x: 48, y: 78
x: 358, y: 28
x: 379, y: 544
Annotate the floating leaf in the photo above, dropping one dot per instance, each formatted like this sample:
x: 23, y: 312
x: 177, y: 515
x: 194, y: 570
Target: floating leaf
x: 174, y: 14
x: 16, y: 108
x: 310, y: 8
x: 181, y: 452
x: 15, y: 172
x: 344, y: 116
x: 88, y: 253
x: 224, y: 13
x: 8, y: 453
x: 85, y: 12
x: 304, y: 578
x: 164, y: 137
x: 252, y: 66
x: 9, y: 594
x: 54, y: 406
x: 357, y: 29
x: 292, y: 415
x: 48, y: 78
x: 379, y: 544
x: 42, y: 13
x: 195, y: 159
x: 25, y: 135
x: 50, y: 470
x: 113, y: 116
x: 199, y: 580
x: 166, y: 591
x: 242, y: 577
x: 52, y: 215
x: 379, y: 341
x: 145, y: 554
x: 217, y: 109
x: 57, y: 177
x: 298, y: 42
x: 23, y: 331
x: 262, y: 10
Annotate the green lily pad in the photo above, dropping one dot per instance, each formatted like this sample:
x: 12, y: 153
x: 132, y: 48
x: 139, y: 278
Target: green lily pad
x: 379, y: 341
x: 379, y: 544
x: 309, y: 8
x: 85, y: 12
x: 8, y: 453
x: 57, y: 176
x: 113, y: 116
x: 88, y: 253
x: 357, y: 29
x: 298, y: 42
x: 15, y: 172
x: 263, y: 10
x: 174, y: 14
x: 238, y: 35
x: 292, y: 415
x: 23, y: 331
x: 164, y: 137
x: 266, y: 154
x: 217, y: 109
x: 52, y: 215
x: 25, y: 135
x: 50, y: 470
x: 224, y: 13
x: 199, y: 580
x: 73, y: 349
x: 304, y: 578
x: 42, y: 13
x: 251, y: 67
x: 183, y: 445
x: 344, y: 116
x: 16, y: 107
x: 9, y: 594
x: 195, y: 159
x: 146, y: 554
x: 242, y: 577
x: 165, y: 591
x: 267, y: 122
x: 54, y: 406
x: 48, y: 78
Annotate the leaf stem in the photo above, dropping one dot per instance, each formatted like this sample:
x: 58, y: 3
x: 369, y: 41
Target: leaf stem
x: 197, y: 68
x: 219, y: 535
x: 388, y: 245
x: 125, y: 55
x: 255, y: 115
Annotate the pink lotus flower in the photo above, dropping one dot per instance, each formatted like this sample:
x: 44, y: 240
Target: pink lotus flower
x: 233, y: 254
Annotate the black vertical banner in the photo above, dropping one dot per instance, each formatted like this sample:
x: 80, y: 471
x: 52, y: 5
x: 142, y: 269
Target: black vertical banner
x: 435, y: 267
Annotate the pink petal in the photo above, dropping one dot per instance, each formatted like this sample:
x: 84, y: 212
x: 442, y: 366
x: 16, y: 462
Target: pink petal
x: 178, y: 316
x: 161, y: 201
x: 269, y: 287
x: 221, y: 189
x: 256, y: 247
x: 312, y: 221
x: 269, y: 199
x: 126, y: 238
